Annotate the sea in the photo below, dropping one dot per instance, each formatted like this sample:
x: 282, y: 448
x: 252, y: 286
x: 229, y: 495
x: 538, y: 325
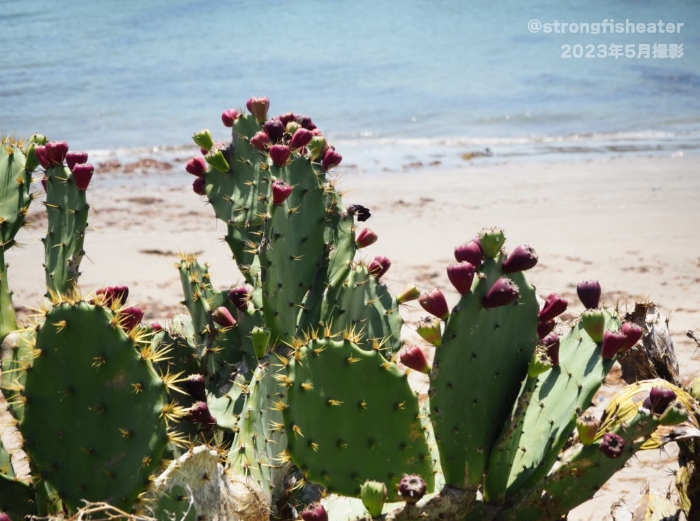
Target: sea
x: 389, y: 82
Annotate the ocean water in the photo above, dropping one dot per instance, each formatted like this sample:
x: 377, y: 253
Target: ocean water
x: 411, y: 76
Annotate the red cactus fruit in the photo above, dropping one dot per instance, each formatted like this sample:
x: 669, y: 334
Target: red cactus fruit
x: 42, y: 155
x: 274, y: 130
x: 503, y: 292
x: 365, y: 237
x: 287, y: 118
x: 659, y: 398
x: 199, y: 186
x: 412, y: 488
x: 239, y: 297
x: 470, y: 252
x: 301, y: 138
x: 223, y: 317
x: 461, y: 276
x: 331, y: 159
x: 280, y: 154
x: 434, y: 302
x: 612, y: 343
x: 280, y: 192
x: 261, y: 141
x: 554, y: 306
x: 76, y: 158
x: 551, y: 342
x: 82, y: 175
x: 633, y: 334
x: 56, y: 152
x: 113, y: 295
x: 199, y: 413
x: 258, y: 107
x: 196, y: 166
x: 522, y: 258
x: 414, y: 358
x: 613, y: 445
x: 379, y: 266
x: 155, y: 327
x: 130, y: 317
x: 194, y: 384
x: 314, y: 512
x: 589, y: 293
x: 43, y: 182
x: 306, y: 122
x: 228, y: 117
x: 545, y: 328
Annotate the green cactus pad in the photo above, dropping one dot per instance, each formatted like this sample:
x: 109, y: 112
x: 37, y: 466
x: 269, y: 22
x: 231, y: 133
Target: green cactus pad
x: 477, y: 373
x: 17, y: 358
x: 95, y: 420
x: 352, y: 417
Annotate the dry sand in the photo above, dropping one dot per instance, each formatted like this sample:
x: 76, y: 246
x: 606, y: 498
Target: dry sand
x: 630, y: 222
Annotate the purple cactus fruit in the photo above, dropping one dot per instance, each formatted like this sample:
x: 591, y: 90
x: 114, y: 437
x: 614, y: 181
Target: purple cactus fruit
x: 545, y: 328
x: 76, y: 158
x: 223, y: 317
x: 503, y: 292
x: 365, y: 237
x: 261, y: 141
x: 82, y: 175
x: 199, y: 413
x: 551, y: 343
x: 130, y: 317
x: 522, y: 258
x: 461, y: 276
x: 633, y: 334
x: 199, y: 186
x: 659, y: 398
x: 258, y: 107
x: 155, y: 327
x: 429, y: 329
x: 471, y: 253
x: 379, y: 266
x: 589, y: 293
x: 554, y: 306
x: 409, y: 293
x: 434, y: 302
x: 613, y: 445
x: 43, y: 182
x: 195, y: 385
x: 239, y: 297
x: 196, y: 166
x: 414, y: 358
x: 314, y: 512
x: 280, y: 192
x: 274, y: 130
x: 114, y: 295
x: 280, y: 154
x: 42, y: 155
x: 331, y: 159
x: 612, y: 343
x: 56, y: 152
x: 412, y: 488
x: 301, y: 138
x: 306, y: 122
x: 228, y: 117
x: 287, y: 118
x: 360, y: 212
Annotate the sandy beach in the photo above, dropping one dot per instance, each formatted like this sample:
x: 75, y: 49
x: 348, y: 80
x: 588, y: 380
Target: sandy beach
x: 628, y: 221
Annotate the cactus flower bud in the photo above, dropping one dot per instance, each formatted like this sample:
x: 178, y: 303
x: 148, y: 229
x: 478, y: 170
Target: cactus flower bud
x: 373, y: 495
x: 612, y: 343
x: 554, y: 306
x: 314, y: 512
x: 240, y: 297
x: 280, y: 192
x: 412, y: 488
x: 130, y: 317
x: 360, y: 212
x: 261, y: 341
x: 503, y: 292
x: 194, y: 384
x: 204, y: 139
x: 301, y: 138
x: 429, y: 329
x: 82, y: 175
x: 461, y: 276
x: 261, y: 141
x: 379, y: 266
x: 42, y: 155
x: 434, y: 302
x: 522, y: 258
x: 491, y: 241
x: 76, y: 158
x: 306, y: 122
x: 223, y: 317
x: 274, y: 130
x: 633, y: 334
x: 410, y: 292
x: 331, y: 159
x: 365, y: 237
x: 593, y: 322
x: 470, y: 252
x: 587, y: 427
x: 258, y: 107
x: 317, y: 147
x: 551, y: 343
x: 674, y: 414
x: 545, y: 328
x: 228, y: 117
x: 589, y: 293
x: 199, y: 413
x: 414, y: 358
x: 196, y: 166
x: 613, y: 445
x: 199, y: 186
x: 287, y: 118
x: 217, y: 159
x: 280, y: 155
x: 56, y: 152
x: 659, y: 398
x: 113, y: 295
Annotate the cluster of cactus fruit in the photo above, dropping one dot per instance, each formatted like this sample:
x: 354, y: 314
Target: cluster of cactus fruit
x: 289, y: 394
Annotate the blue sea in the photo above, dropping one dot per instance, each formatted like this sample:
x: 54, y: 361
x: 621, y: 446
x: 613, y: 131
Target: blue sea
x: 416, y: 78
